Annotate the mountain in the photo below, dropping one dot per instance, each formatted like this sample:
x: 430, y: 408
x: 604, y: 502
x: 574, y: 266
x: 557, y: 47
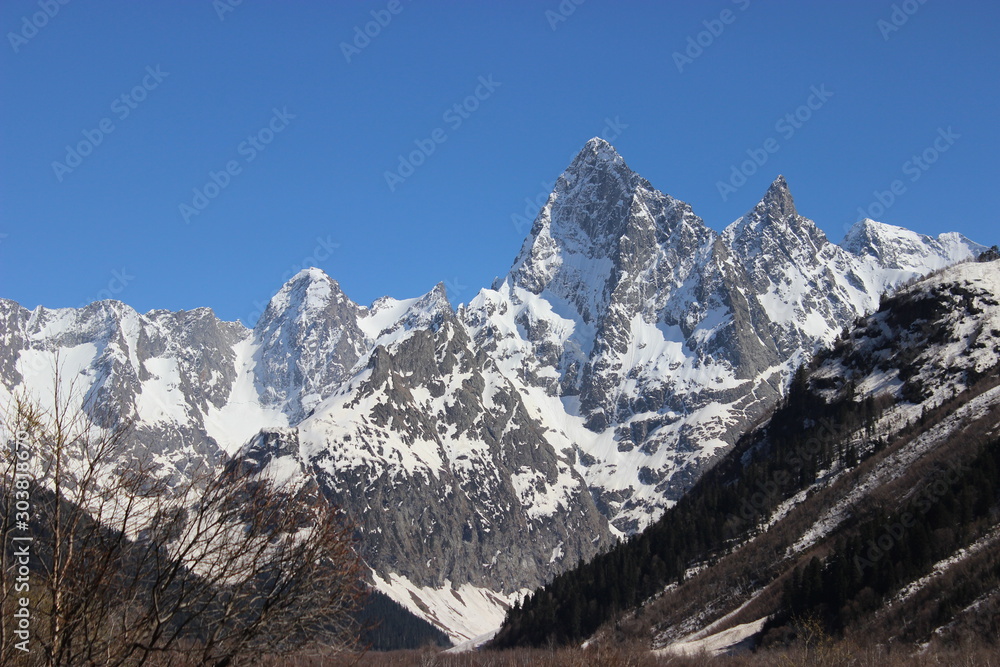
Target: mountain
x: 174, y: 374
x: 481, y: 450
x: 308, y: 339
x: 442, y: 468
x: 656, y: 340
x: 865, y: 505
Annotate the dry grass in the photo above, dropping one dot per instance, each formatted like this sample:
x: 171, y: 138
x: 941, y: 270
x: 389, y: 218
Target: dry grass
x: 824, y: 654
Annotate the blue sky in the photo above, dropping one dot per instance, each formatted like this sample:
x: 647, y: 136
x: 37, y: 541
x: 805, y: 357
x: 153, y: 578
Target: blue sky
x: 215, y: 147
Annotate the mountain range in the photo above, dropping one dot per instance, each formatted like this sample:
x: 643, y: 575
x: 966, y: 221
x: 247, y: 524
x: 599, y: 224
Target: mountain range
x: 482, y: 449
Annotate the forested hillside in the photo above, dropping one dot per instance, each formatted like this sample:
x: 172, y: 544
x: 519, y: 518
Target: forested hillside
x: 867, y: 502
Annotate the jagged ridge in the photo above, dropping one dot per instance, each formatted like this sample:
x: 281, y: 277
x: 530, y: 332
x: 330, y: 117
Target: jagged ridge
x: 624, y: 352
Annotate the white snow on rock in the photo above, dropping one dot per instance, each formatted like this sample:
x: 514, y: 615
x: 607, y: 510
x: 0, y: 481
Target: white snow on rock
x: 638, y: 342
x: 464, y: 613
x: 727, y: 642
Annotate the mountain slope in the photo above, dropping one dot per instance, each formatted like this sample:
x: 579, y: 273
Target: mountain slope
x: 660, y: 340
x: 433, y: 452
x: 869, y: 500
x: 484, y: 449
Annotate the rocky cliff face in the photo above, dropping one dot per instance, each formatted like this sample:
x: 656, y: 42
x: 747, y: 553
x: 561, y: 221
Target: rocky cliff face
x: 866, y: 499
x: 165, y: 371
x: 308, y: 341
x: 665, y: 339
x: 484, y: 449
x: 433, y: 451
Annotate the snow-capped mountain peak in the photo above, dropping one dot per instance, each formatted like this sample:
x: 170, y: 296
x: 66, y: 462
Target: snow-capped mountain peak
x: 599, y: 150
x: 778, y: 199
x: 306, y: 294
x: 628, y: 347
x: 389, y: 318
x: 899, y: 248
x: 774, y: 217
x: 308, y: 339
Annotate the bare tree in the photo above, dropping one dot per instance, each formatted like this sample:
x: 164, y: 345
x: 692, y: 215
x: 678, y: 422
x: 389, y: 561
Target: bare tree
x: 130, y: 567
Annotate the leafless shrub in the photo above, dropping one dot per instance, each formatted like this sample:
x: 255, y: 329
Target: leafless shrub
x: 127, y: 568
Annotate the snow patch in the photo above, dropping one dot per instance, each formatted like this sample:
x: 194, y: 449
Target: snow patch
x: 464, y: 613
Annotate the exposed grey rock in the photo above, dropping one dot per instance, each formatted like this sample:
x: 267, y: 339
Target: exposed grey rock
x: 680, y: 336
x: 309, y: 339
x: 626, y: 349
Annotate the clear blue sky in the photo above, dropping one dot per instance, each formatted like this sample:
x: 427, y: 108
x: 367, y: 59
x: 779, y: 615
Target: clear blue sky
x: 202, y: 86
